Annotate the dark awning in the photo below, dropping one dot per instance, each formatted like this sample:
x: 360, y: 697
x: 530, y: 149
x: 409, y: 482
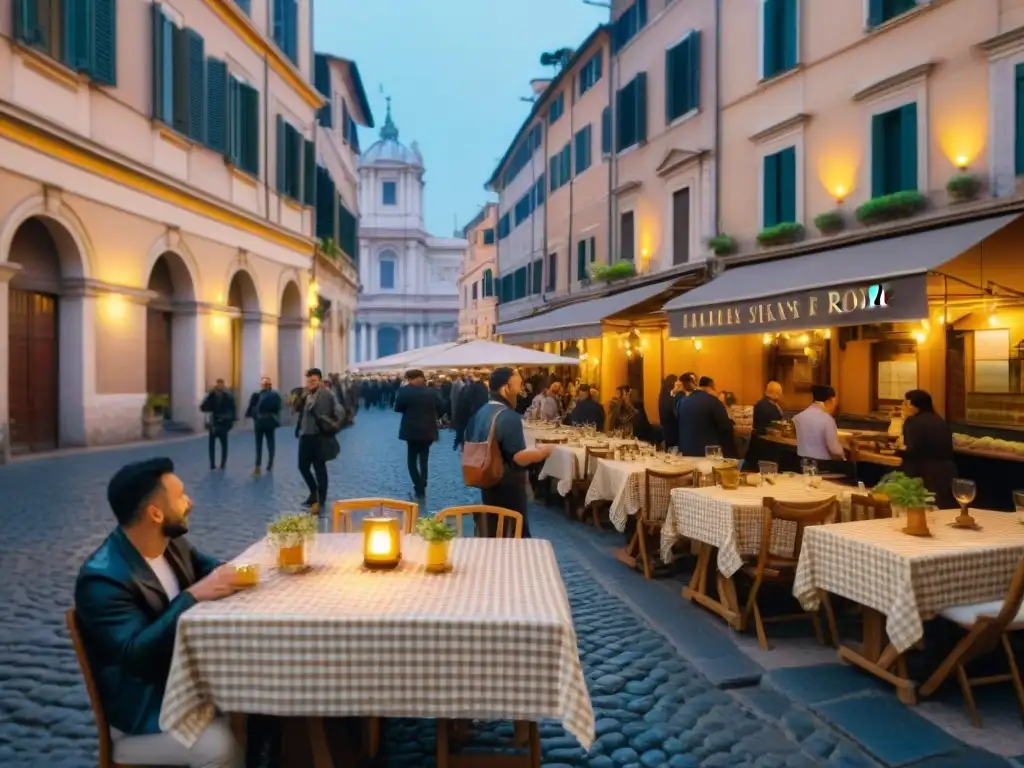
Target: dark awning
x: 878, y: 281
x: 583, y: 319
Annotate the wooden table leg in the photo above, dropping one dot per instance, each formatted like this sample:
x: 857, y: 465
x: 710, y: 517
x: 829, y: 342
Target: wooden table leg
x: 877, y: 657
x: 318, y: 743
x: 726, y: 606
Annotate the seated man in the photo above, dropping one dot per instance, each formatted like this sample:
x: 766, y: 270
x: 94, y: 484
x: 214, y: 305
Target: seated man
x: 587, y: 410
x: 128, y: 598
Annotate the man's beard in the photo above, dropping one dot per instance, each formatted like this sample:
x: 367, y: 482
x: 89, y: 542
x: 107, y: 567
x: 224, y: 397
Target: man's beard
x: 174, y: 529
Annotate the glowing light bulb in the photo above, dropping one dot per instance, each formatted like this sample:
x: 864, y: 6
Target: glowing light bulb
x: 697, y: 344
x: 767, y: 339
x: 993, y: 319
x: 920, y: 337
x: 804, y: 338
x: 961, y: 162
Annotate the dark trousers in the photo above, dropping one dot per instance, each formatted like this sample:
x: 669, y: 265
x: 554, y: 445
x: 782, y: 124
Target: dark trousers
x: 418, y: 454
x: 268, y: 434
x: 510, y: 493
x: 218, y: 436
x: 313, y: 468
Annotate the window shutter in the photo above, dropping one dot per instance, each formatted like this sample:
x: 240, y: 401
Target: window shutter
x: 322, y: 79
x: 26, y: 22
x: 104, y: 44
x: 641, y: 106
x: 581, y: 260
x: 769, y: 38
x: 76, y: 19
x: 281, y: 142
x: 875, y: 12
x: 309, y: 172
x: 296, y: 161
x: 567, y: 162
x: 277, y: 23
x: 693, y: 72
x: 216, y: 105
x: 908, y: 147
x: 593, y: 250
x: 291, y: 30
x: 196, y: 86
x: 180, y: 79
x: 770, y: 216
x: 877, y: 155
x: 606, y: 131
x: 598, y: 63
x: 670, y: 85
x: 245, y: 5
x: 537, y: 277
x: 1018, y: 139
x: 787, y: 184
x: 553, y: 168
x: 251, y: 134
x: 790, y: 33
x: 159, y: 71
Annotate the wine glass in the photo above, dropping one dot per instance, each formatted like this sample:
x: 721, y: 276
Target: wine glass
x: 713, y: 452
x: 769, y: 472
x: 964, y: 492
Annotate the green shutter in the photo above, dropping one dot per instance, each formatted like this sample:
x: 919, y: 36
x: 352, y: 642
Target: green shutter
x: 103, y: 67
x: 76, y: 20
x: 770, y: 212
x: 160, y: 71
x: 877, y: 155
x: 308, y: 172
x: 1018, y: 138
x: 790, y: 33
x: 908, y: 147
x: 770, y: 38
x: 606, y: 131
x: 216, y: 105
x: 322, y: 79
x: 251, y: 115
x: 281, y: 142
x: 179, y: 59
x: 291, y: 30
x: 26, y: 22
x: 693, y: 72
x: 235, y: 123
x: 875, y: 13
x: 196, y: 87
x: 581, y: 260
x: 670, y: 85
x: 593, y: 249
x: 787, y: 184
x: 641, y: 107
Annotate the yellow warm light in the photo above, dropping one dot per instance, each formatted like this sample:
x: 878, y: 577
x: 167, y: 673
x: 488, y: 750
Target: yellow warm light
x: 767, y: 339
x: 962, y: 137
x: 993, y: 319
x: 382, y: 542
x: 219, y: 323
x: 313, y: 294
x: 697, y: 344
x: 314, y: 322
x: 804, y: 338
x: 920, y: 337
x: 828, y: 333
x: 838, y: 174
x: 114, y: 307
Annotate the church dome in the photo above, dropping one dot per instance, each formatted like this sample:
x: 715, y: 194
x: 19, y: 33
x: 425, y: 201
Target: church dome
x: 389, y: 150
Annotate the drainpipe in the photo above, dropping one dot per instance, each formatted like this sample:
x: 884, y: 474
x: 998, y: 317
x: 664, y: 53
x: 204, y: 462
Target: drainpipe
x: 266, y: 116
x: 572, y: 180
x: 613, y: 158
x: 718, y: 115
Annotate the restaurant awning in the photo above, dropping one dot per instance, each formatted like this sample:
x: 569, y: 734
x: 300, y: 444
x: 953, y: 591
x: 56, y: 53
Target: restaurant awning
x: 879, y: 281
x: 583, y: 319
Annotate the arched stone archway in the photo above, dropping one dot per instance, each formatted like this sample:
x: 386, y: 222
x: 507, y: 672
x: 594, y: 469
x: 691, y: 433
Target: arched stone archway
x: 172, y: 338
x: 246, y: 336
x: 46, y: 329
x: 289, y: 338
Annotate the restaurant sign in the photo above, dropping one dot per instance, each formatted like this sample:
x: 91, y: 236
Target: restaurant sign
x: 901, y: 299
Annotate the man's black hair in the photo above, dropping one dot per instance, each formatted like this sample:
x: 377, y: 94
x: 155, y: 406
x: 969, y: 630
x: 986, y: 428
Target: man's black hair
x: 821, y: 393
x: 134, y: 484
x: 414, y: 373
x: 500, y: 377
x: 315, y: 372
x: 706, y: 381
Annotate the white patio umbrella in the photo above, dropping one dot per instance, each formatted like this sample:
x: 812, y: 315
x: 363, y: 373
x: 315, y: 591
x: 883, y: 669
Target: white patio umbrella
x: 400, y: 359
x: 477, y: 353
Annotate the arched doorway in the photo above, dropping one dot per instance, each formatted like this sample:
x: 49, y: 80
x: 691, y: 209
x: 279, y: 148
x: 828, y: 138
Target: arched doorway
x: 246, y: 338
x: 289, y: 338
x: 170, y: 337
x: 389, y: 340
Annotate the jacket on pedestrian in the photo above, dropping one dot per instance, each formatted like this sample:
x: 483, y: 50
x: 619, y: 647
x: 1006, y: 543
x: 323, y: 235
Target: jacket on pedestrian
x: 471, y: 399
x: 220, y: 407
x: 420, y: 409
x: 128, y: 625
x: 321, y: 414
x: 457, y: 386
x: 704, y: 421
x: 667, y: 419
x: 265, y: 409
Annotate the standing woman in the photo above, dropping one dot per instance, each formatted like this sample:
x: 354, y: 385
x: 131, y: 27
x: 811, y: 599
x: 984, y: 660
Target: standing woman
x: 928, y: 447
x: 667, y: 411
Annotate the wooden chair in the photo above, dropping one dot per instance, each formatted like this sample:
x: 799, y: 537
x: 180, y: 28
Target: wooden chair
x: 341, y: 512
x: 776, y: 568
x: 106, y: 744
x: 988, y: 626
x: 503, y: 515
x: 658, y: 487
x: 591, y: 457
x: 575, y: 500
x: 865, y: 507
x: 539, y: 488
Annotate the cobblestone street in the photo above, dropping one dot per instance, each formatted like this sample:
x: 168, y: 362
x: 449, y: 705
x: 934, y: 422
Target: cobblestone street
x: 653, y: 707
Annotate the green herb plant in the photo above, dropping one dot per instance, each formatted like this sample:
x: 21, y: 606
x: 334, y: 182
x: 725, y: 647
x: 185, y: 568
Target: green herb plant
x: 903, y: 491
x: 434, y: 529
x: 297, y: 524
x: 780, y: 234
x: 722, y: 244
x: 608, y: 272
x: 830, y: 222
x: 898, y: 205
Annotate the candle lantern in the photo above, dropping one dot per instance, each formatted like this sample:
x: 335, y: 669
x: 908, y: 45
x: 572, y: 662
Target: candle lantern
x: 382, y: 542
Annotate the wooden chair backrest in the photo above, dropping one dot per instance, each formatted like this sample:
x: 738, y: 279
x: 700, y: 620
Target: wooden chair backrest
x: 595, y: 454
x: 106, y: 746
x: 658, y: 487
x: 551, y: 440
x: 989, y: 629
x: 799, y: 513
x: 459, y: 513
x: 341, y: 512
x: 866, y: 507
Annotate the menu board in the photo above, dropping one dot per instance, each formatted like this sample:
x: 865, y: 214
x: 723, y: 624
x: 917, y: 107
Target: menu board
x: 896, y: 378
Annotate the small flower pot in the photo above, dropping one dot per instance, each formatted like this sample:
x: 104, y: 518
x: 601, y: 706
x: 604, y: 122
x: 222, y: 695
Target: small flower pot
x: 437, y: 556
x: 917, y: 522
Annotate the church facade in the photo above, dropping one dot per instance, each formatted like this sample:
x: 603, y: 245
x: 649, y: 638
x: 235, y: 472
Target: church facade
x: 409, y: 279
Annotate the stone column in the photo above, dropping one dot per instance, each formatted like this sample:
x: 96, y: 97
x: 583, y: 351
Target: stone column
x: 361, y: 353
x: 187, y: 364
x: 350, y: 344
x: 373, y: 341
x: 77, y: 364
x: 407, y: 335
x: 7, y: 271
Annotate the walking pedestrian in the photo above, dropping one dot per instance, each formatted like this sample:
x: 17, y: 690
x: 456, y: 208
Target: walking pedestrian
x: 419, y: 406
x: 510, y: 491
x: 221, y: 414
x: 319, y: 422
x: 265, y: 411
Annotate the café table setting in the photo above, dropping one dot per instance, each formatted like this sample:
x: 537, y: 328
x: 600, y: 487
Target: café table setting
x: 621, y: 480
x: 352, y: 634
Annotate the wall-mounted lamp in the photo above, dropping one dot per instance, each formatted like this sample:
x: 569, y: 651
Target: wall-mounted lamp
x: 697, y: 345
x: 767, y: 339
x: 839, y: 193
x: 920, y: 337
x: 961, y: 162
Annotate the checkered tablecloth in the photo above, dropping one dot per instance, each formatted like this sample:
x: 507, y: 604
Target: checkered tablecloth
x: 494, y: 640
x: 622, y: 483
x: 732, y: 521
x: 910, y: 578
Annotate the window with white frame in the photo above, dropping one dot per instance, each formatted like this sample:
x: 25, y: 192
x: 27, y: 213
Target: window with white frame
x: 388, y: 270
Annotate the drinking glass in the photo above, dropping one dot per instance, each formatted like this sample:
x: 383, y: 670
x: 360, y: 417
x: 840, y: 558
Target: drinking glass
x: 1018, y: 504
x: 808, y: 466
x: 713, y: 452
x: 964, y: 492
x: 769, y: 472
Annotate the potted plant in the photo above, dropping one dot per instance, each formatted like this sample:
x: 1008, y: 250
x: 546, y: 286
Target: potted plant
x: 963, y: 187
x: 722, y: 244
x: 438, y: 536
x: 898, y: 205
x: 783, y: 233
x: 291, y: 537
x: 907, y: 494
x: 153, y: 414
x: 830, y: 222
x: 608, y: 273
x: 329, y: 248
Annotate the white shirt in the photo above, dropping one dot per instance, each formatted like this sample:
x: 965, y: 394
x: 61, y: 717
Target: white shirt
x: 165, y: 575
x: 817, y: 436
